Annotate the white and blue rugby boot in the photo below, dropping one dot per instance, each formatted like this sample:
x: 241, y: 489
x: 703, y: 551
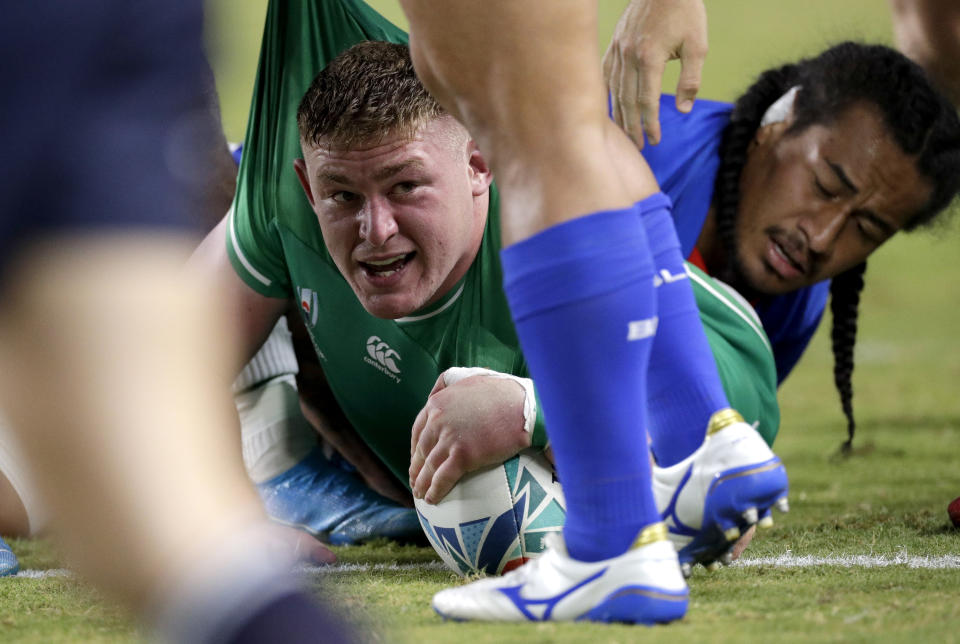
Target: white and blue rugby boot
x: 644, y: 585
x: 714, y: 495
x: 8, y: 561
x: 335, y: 505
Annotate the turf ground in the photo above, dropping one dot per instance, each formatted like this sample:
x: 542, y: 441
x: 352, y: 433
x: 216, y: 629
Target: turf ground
x: 866, y: 554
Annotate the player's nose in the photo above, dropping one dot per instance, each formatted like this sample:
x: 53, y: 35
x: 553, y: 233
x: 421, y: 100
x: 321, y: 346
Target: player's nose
x: 822, y: 228
x: 377, y: 222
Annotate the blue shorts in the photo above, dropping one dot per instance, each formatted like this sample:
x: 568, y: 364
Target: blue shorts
x: 101, y: 116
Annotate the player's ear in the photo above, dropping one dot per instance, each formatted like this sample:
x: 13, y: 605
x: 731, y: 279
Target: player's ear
x: 768, y: 134
x: 480, y: 175
x: 300, y: 166
x: 772, y: 132
x: 778, y: 118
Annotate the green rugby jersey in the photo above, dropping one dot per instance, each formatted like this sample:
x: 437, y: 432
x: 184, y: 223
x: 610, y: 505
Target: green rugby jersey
x: 741, y: 350
x: 381, y: 371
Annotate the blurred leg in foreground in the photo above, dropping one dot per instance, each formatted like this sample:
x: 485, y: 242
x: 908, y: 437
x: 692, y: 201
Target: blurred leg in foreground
x: 113, y: 360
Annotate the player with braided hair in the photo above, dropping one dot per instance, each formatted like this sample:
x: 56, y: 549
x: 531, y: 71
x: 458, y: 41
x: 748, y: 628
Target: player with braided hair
x: 651, y: 32
x: 815, y: 166
x: 820, y: 190
x: 844, y: 79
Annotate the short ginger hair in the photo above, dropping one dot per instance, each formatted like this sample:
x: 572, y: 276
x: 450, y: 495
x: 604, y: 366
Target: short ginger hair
x: 366, y: 93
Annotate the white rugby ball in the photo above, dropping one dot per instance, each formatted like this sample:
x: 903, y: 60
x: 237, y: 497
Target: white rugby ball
x: 496, y: 518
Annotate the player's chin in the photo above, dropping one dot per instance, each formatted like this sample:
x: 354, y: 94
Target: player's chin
x: 391, y: 301
x: 770, y: 286
x: 761, y: 280
x: 390, y: 306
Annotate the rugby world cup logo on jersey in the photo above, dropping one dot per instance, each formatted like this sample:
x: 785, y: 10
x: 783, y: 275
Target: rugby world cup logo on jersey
x: 310, y: 309
x: 381, y: 357
x: 308, y: 305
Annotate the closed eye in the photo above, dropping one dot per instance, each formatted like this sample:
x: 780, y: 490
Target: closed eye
x: 822, y: 190
x: 868, y: 232
x: 872, y: 228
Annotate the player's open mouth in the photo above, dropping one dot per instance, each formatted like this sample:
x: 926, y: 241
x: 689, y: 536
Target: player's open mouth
x: 387, y: 266
x: 782, y: 262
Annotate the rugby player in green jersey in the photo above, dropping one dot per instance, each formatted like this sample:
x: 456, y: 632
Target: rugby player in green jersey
x: 267, y: 187
x: 454, y: 312
x: 354, y: 20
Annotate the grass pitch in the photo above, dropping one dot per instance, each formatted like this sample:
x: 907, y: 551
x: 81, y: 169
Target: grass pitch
x: 855, y: 560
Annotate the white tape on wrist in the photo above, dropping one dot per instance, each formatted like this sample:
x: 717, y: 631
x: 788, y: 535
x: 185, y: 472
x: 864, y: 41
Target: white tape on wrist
x: 456, y: 374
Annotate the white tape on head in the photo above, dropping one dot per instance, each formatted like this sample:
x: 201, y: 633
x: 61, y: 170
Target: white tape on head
x: 781, y: 109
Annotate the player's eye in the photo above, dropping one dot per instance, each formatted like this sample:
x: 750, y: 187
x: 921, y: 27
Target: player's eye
x: 342, y: 196
x: 822, y: 190
x: 404, y: 187
x: 870, y: 231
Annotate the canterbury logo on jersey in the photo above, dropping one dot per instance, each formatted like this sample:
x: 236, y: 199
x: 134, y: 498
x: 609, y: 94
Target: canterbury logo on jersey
x: 665, y: 277
x: 382, y: 357
x: 308, y: 304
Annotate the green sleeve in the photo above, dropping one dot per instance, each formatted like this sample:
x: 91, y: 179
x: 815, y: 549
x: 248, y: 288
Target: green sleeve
x: 256, y: 253
x: 741, y: 351
x: 539, y: 438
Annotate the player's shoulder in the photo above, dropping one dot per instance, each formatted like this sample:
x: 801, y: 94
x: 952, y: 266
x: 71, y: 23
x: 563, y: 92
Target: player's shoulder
x: 702, y: 107
x: 706, y: 115
x: 717, y: 300
x: 719, y: 290
x: 689, y: 142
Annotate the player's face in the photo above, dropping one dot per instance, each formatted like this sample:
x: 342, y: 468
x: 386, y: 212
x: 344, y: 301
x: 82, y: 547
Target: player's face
x: 816, y: 203
x: 402, y: 218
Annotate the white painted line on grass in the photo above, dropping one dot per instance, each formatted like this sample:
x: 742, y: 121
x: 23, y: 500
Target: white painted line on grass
x: 41, y: 574
x: 362, y: 567
x: 789, y: 560
x: 303, y: 569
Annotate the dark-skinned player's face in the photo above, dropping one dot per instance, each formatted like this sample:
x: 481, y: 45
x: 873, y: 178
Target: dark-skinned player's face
x: 817, y: 202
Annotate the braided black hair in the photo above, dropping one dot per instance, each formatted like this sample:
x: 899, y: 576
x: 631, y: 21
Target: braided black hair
x: 844, y: 302
x: 923, y: 123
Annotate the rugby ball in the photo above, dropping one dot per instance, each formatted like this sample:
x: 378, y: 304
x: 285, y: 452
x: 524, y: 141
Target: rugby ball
x: 496, y: 518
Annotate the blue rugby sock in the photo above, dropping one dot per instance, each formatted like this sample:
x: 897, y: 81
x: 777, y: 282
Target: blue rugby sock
x: 581, y: 295
x: 683, y: 386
